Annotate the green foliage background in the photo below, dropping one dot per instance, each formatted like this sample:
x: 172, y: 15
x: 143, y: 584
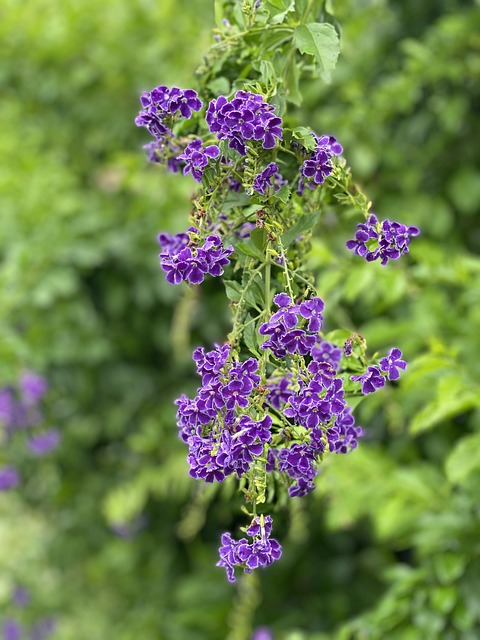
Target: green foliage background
x: 388, y: 546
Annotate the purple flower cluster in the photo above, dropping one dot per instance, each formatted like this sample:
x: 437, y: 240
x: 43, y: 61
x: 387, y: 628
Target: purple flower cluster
x: 20, y: 410
x: 12, y: 629
x: 285, y: 335
x: 324, y: 351
x: 196, y: 158
x: 182, y: 260
x: 384, y: 240
x: 318, y: 165
x: 268, y: 178
x: 221, y: 435
x: 246, y: 117
x: 42, y: 443
x: 261, y: 552
x: 162, y: 104
x: 388, y: 367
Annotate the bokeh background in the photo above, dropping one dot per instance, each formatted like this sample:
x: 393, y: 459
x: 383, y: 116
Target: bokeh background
x: 108, y: 533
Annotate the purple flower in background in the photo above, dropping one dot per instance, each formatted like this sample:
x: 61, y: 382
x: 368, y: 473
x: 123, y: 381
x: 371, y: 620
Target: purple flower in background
x: 261, y: 633
x: 43, y: 443
x: 8, y: 407
x: 384, y: 240
x: 20, y: 597
x: 371, y: 380
x: 43, y: 629
x: 9, y: 478
x: 33, y: 387
x: 196, y: 158
x: 11, y: 630
x: 269, y: 177
x: 392, y: 363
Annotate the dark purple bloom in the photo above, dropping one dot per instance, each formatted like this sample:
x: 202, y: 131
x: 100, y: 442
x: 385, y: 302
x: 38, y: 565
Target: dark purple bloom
x: 43, y: 443
x: 9, y: 478
x: 327, y: 352
x: 247, y: 116
x: 196, y: 158
x: 268, y: 178
x: 261, y: 552
x: 318, y: 164
x: 312, y: 310
x: 381, y: 240
x: 343, y: 436
x: 371, y: 380
x: 191, y: 263
x: 392, y: 363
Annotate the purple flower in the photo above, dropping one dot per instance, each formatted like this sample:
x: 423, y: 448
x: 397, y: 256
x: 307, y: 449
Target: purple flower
x: 318, y: 165
x: 191, y: 263
x: 385, y: 240
x: 392, y: 363
x: 196, y: 158
x: 343, y: 435
x: 33, y: 387
x: 43, y: 443
x: 327, y: 352
x: 312, y: 310
x: 247, y: 116
x: 268, y: 178
x: 261, y: 552
x: 371, y: 380
x: 9, y: 478
x: 11, y: 630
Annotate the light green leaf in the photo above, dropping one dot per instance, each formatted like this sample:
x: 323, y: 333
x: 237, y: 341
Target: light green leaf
x: 321, y: 41
x: 464, y: 459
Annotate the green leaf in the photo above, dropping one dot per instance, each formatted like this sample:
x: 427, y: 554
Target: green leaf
x: 464, y: 459
x: 250, y: 335
x: 268, y: 75
x: 305, y: 223
x: 292, y: 81
x: 304, y: 135
x: 449, y: 566
x: 259, y: 238
x: 233, y: 290
x: 283, y: 194
x: 219, y: 86
x: 250, y: 250
x: 321, y: 41
x: 278, y: 9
